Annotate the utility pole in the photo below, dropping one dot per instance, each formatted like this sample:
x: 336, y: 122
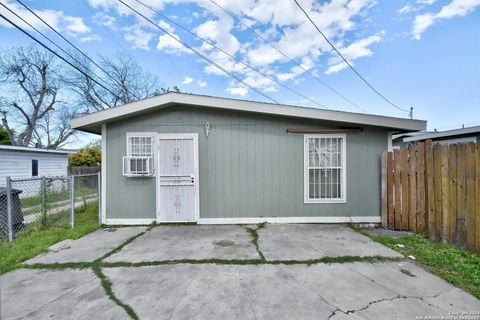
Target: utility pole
x: 411, y: 113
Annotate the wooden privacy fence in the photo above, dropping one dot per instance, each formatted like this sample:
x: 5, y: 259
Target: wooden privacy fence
x: 434, y: 188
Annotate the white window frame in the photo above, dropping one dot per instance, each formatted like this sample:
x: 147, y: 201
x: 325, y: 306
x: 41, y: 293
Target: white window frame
x: 152, y: 136
x: 343, y: 181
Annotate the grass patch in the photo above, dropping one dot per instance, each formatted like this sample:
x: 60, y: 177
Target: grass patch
x: 254, y: 235
x: 120, y: 247
x: 29, y: 245
x: 107, y: 286
x: 458, y: 267
x: 325, y: 260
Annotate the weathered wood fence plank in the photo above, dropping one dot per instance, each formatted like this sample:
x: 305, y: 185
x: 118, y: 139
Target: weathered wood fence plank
x: 434, y: 188
x: 412, y: 184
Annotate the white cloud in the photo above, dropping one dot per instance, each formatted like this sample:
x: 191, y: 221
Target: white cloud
x: 74, y: 26
x: 202, y: 83
x: 187, y: 80
x: 138, y: 37
x: 104, y: 19
x: 90, y: 38
x: 454, y: 9
x: 356, y: 50
x: 170, y: 45
x: 280, y: 22
x: 238, y: 91
x: 428, y: 2
x: 165, y: 25
x: 406, y: 9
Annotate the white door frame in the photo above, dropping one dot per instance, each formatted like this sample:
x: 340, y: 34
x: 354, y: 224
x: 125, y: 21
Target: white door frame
x: 193, y: 136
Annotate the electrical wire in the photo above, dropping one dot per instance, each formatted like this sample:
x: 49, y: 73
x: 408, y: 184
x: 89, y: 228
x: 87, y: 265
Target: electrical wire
x: 48, y: 39
x: 348, y: 63
x: 55, y: 53
x: 76, y: 48
x: 289, y: 58
x: 230, y: 55
x: 200, y: 54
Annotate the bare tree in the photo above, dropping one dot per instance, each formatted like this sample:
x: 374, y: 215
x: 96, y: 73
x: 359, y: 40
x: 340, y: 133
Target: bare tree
x: 125, y: 82
x: 30, y: 85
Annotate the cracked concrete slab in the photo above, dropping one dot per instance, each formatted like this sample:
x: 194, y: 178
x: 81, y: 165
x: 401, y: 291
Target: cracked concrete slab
x: 189, y: 242
x: 398, y: 309
x: 209, y: 291
x: 88, y: 248
x: 59, y: 294
x: 217, y: 292
x: 313, y: 241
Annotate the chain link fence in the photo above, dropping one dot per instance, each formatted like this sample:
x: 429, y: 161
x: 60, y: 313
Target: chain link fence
x: 32, y: 204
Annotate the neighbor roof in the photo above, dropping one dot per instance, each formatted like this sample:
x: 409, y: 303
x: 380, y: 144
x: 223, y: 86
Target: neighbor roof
x: 442, y: 134
x: 92, y: 122
x: 29, y: 149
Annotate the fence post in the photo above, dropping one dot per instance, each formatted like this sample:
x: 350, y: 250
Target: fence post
x: 72, y: 201
x: 44, y: 201
x: 9, y: 209
x: 99, y: 192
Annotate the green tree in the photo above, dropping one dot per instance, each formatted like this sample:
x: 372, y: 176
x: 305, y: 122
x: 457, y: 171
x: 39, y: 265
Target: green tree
x: 89, y: 157
x: 4, y: 137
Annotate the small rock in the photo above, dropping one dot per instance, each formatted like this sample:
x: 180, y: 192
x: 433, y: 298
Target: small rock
x: 399, y: 245
x: 411, y: 257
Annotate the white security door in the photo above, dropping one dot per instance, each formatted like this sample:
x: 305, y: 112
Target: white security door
x: 177, y: 178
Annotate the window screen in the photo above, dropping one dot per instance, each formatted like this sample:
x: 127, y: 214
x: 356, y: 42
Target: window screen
x: 325, y: 168
x: 140, y: 153
x: 34, y: 168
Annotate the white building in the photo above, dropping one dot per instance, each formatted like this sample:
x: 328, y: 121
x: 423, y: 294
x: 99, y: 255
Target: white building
x: 23, y: 162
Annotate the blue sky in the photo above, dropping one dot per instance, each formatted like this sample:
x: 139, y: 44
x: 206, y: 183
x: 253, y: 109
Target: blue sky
x: 420, y: 53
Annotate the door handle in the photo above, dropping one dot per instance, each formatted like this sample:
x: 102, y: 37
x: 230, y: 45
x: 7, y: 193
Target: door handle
x: 193, y: 179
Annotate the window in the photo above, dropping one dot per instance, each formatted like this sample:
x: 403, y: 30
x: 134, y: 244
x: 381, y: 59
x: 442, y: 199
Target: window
x: 139, y: 159
x: 34, y: 168
x: 324, y: 168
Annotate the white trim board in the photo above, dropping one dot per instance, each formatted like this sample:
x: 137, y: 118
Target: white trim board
x: 129, y: 222
x: 364, y: 219
x: 91, y: 122
x: 103, y: 198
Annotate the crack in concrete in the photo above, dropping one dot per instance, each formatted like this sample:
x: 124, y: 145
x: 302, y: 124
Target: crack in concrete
x: 398, y: 297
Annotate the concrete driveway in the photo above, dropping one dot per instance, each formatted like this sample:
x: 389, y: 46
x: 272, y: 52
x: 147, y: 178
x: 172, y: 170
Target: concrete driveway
x: 227, y: 272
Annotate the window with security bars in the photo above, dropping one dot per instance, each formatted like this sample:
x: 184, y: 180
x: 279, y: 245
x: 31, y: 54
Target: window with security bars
x: 139, y: 159
x: 324, y: 168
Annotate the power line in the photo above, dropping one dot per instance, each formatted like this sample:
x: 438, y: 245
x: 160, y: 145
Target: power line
x: 288, y: 58
x: 104, y: 27
x: 200, y: 54
x: 55, y: 53
x: 345, y: 60
x: 232, y: 56
x: 47, y: 38
x: 76, y: 48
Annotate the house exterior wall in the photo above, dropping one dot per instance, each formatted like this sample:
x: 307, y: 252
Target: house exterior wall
x: 18, y: 164
x: 249, y: 166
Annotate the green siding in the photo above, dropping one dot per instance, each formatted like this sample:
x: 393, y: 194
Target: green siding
x: 249, y: 166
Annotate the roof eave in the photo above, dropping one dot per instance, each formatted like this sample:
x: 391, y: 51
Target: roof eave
x: 92, y: 122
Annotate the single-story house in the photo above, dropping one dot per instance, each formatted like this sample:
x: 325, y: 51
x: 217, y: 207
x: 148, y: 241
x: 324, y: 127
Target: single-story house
x: 191, y: 158
x: 462, y: 135
x: 25, y: 162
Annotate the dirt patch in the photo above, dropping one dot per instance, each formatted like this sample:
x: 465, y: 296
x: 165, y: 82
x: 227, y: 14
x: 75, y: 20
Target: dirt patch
x: 224, y: 243
x: 408, y: 273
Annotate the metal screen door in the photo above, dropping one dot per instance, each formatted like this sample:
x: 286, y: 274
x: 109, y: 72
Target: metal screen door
x: 177, y: 162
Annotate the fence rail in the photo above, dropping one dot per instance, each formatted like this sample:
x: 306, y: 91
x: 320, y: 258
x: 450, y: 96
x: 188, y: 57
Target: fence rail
x: 435, y: 188
x: 82, y: 170
x: 31, y: 204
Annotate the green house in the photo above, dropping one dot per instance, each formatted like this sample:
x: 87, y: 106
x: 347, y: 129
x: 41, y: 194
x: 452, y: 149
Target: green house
x: 192, y: 158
